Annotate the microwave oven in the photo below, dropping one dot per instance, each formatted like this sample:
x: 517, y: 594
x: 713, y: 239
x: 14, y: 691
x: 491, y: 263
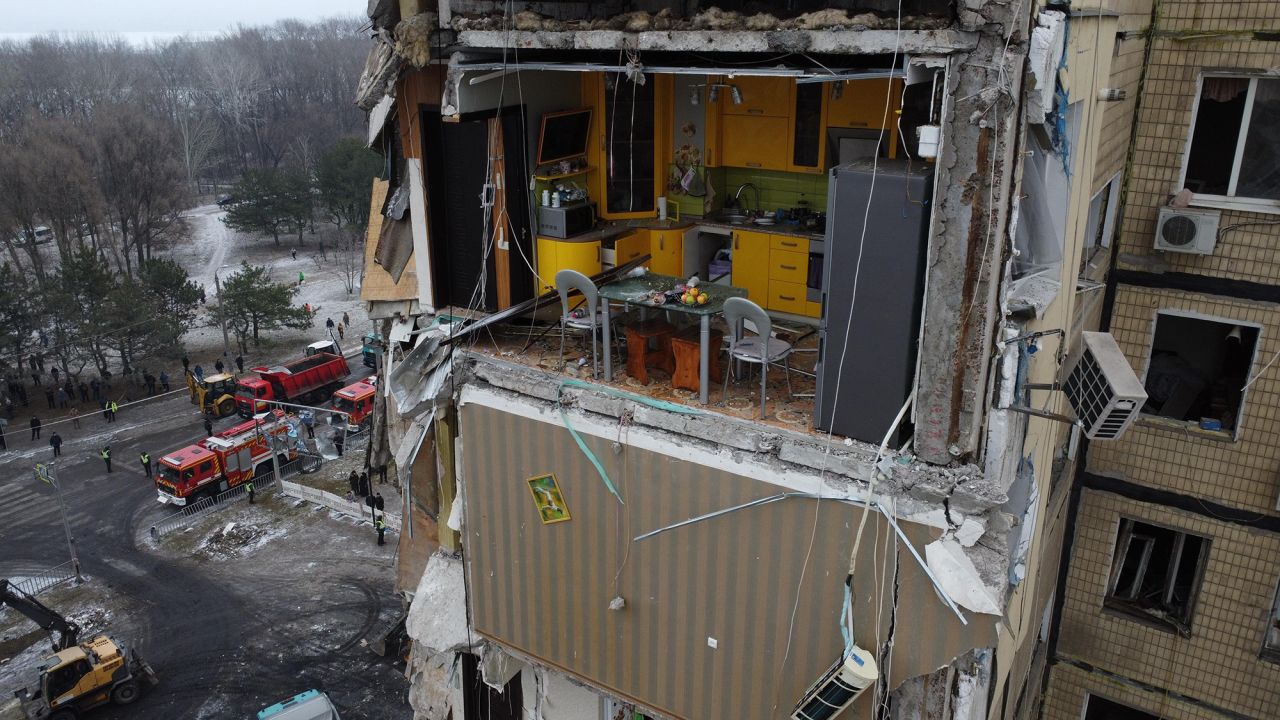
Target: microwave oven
x: 566, y: 220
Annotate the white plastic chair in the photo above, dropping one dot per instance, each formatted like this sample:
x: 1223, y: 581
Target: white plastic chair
x: 761, y: 348
x: 568, y: 281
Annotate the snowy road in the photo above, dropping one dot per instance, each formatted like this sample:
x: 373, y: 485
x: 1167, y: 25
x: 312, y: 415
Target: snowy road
x: 229, y: 628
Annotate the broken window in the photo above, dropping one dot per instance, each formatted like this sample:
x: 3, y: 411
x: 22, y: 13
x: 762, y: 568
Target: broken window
x: 1102, y: 220
x: 1100, y: 708
x: 1156, y: 573
x: 1198, y: 369
x: 1271, y: 645
x: 1235, y: 143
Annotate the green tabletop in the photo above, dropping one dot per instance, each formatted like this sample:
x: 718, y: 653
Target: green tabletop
x: 640, y: 291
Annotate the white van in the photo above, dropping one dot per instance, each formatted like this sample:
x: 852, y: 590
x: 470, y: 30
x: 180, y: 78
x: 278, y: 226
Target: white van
x: 309, y: 705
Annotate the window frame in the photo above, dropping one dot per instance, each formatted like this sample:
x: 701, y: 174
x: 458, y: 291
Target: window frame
x: 1125, y: 606
x: 1154, y: 420
x: 1271, y: 653
x: 1229, y: 201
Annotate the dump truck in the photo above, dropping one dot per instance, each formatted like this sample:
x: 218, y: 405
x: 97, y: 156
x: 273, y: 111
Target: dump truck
x: 225, y: 460
x: 216, y: 394
x: 76, y: 676
x: 356, y: 400
x: 371, y: 349
x: 306, y: 380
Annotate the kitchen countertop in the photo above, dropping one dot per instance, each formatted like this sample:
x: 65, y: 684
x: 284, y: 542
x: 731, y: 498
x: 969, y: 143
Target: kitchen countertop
x: 614, y: 229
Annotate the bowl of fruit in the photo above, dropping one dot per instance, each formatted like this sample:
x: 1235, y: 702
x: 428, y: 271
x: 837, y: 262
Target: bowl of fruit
x: 694, y: 296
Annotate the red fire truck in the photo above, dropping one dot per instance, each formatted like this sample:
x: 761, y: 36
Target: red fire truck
x: 221, y: 462
x: 356, y: 400
x: 312, y: 378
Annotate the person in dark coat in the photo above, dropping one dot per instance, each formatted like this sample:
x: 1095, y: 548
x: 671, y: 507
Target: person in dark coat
x: 84, y: 392
x: 364, y: 486
x: 35, y: 428
x: 208, y: 425
x: 186, y: 364
x: 218, y: 366
x: 63, y: 400
x: 338, y: 440
x: 240, y: 363
x: 346, y: 319
x: 48, y: 396
x: 164, y: 380
x: 55, y: 442
x: 328, y: 323
x: 353, y: 481
x: 97, y: 390
x: 381, y: 526
x: 4, y: 445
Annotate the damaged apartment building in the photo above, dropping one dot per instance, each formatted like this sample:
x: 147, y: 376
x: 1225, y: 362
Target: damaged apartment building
x: 741, y: 358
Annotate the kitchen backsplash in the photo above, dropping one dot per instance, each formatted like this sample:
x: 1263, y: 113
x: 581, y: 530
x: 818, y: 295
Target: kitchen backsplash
x: 778, y: 189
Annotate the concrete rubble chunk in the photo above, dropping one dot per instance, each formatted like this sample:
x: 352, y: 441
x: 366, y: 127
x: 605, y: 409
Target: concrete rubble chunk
x: 438, y: 614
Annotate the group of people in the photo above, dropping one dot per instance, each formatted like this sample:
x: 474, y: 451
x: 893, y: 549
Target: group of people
x: 342, y: 325
x: 361, y: 487
x: 218, y: 367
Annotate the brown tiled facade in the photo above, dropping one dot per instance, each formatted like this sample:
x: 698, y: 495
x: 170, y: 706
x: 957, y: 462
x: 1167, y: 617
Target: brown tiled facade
x: 1168, y: 473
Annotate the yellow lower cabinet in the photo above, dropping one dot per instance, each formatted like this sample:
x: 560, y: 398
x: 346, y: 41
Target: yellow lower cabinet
x: 750, y: 257
x: 631, y: 246
x: 788, y: 297
x: 788, y: 266
x: 555, y: 255
x: 667, y: 249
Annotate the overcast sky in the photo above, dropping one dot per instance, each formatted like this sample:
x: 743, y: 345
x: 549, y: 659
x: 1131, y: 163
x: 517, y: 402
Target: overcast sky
x: 160, y: 18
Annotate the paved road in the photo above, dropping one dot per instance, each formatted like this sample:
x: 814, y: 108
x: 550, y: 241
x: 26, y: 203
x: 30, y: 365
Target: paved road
x: 234, y: 631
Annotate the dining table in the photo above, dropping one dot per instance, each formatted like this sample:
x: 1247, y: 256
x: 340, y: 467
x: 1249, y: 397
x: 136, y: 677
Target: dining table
x: 642, y: 291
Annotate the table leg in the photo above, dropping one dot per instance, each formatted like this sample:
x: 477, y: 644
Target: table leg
x: 608, y: 331
x: 704, y: 357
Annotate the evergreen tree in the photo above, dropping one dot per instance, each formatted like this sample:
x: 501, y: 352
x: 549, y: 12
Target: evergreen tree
x: 252, y: 303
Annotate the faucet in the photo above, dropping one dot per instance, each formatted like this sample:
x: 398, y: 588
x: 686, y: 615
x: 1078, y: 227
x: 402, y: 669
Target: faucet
x: 738, y: 195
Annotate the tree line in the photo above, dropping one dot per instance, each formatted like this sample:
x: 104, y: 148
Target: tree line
x: 103, y: 147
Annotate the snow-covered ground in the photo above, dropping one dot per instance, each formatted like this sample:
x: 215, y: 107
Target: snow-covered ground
x: 214, y: 248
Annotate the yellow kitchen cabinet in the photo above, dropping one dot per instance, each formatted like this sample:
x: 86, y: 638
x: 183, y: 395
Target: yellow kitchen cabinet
x: 750, y: 265
x: 761, y: 95
x: 748, y: 141
x: 555, y: 255
x: 788, y: 297
x: 789, y: 243
x: 861, y: 104
x: 788, y: 266
x: 631, y: 246
x: 667, y: 249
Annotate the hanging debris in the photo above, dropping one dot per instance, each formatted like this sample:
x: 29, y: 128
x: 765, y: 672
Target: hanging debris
x: 413, y: 38
x: 380, y: 70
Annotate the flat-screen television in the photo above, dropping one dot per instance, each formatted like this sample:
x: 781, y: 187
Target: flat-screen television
x: 564, y: 135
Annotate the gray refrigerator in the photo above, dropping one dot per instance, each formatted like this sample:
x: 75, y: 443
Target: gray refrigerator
x: 868, y: 344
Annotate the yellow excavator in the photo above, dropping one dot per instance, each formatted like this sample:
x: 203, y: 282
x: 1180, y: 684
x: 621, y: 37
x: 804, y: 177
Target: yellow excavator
x: 215, y: 394
x: 76, y: 676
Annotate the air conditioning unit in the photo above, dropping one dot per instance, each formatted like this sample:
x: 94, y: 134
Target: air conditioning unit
x: 1187, y: 231
x: 839, y: 687
x: 1102, y: 388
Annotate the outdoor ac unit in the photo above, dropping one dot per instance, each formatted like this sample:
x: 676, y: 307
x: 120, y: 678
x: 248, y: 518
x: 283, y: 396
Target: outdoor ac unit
x: 839, y: 687
x: 1103, y: 390
x: 1187, y: 231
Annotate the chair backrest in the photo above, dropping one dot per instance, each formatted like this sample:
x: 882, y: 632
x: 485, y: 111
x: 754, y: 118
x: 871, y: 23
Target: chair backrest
x: 569, y: 280
x: 738, y: 309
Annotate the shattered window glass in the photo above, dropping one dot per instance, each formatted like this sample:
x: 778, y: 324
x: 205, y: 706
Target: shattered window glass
x: 1235, y: 151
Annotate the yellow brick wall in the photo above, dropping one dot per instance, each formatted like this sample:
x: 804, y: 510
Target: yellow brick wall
x: 1219, y: 663
x: 1070, y: 685
x: 1243, y: 473
x: 1164, y: 125
x: 1126, y: 69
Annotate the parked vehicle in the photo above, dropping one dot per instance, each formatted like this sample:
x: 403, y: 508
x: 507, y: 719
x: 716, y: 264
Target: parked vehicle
x: 309, y: 705
x: 372, y: 348
x: 215, y: 394
x: 356, y: 400
x: 306, y: 380
x: 323, y: 346
x: 77, y: 676
x: 221, y: 462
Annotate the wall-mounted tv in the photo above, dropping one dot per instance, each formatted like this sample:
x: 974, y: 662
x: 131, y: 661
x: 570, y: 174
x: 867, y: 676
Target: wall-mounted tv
x: 564, y: 135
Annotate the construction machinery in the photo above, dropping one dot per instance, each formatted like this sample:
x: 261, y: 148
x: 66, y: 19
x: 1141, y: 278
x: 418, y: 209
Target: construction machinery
x: 214, y: 394
x: 225, y: 460
x: 77, y: 676
x: 314, y: 377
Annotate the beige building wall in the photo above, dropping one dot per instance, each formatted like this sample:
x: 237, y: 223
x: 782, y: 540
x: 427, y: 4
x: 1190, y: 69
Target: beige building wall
x: 1218, y: 664
x: 1168, y: 454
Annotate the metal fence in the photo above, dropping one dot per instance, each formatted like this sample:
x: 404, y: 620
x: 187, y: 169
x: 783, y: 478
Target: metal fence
x: 206, y: 505
x: 45, y: 579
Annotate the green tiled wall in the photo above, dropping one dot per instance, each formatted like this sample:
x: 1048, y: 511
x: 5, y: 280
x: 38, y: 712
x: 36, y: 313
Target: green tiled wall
x: 778, y: 189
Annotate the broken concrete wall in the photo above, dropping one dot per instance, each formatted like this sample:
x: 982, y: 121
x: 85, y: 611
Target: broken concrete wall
x: 694, y: 9
x: 974, y: 178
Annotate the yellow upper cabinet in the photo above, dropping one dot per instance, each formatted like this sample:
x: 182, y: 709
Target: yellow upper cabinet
x: 768, y: 96
x: 630, y: 144
x: 757, y: 142
x: 808, y: 136
x: 861, y: 103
